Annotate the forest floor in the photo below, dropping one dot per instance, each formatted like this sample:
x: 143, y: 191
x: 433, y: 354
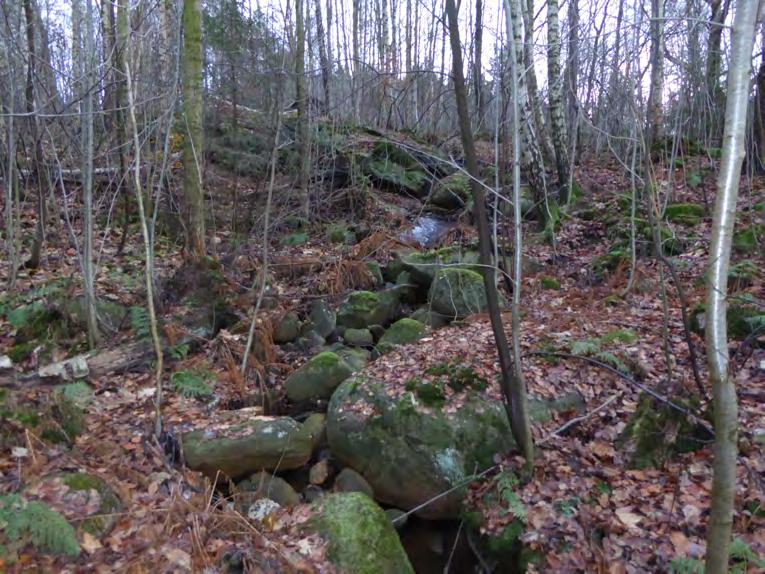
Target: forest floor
x: 585, y: 510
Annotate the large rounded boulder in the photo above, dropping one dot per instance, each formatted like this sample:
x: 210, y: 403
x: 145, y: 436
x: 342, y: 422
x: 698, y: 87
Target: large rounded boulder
x: 457, y: 292
x: 408, y: 446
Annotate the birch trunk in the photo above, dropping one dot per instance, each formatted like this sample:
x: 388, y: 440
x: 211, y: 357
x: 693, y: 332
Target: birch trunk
x: 555, y: 90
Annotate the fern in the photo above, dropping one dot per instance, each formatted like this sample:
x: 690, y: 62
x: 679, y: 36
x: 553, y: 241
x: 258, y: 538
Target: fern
x: 37, y: 523
x: 741, y: 557
x: 610, y: 359
x: 686, y: 566
x: 586, y: 347
x: 140, y: 322
x: 191, y: 385
x: 179, y: 352
x: 506, y: 486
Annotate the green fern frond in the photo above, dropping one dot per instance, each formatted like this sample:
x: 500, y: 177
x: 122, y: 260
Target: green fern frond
x: 506, y: 486
x: 686, y: 566
x: 191, y: 385
x: 586, y: 347
x: 611, y: 359
x: 38, y: 523
x: 140, y: 322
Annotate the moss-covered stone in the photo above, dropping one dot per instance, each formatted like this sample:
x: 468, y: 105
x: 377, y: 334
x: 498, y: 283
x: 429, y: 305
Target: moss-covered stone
x: 401, y: 332
x: 684, y: 213
x: 618, y: 256
x: 365, y: 308
x: 288, y: 329
x: 376, y: 271
x: 550, y: 283
x: 452, y: 192
x: 237, y: 450
x: 423, y: 266
x: 99, y: 520
x: 430, y: 318
x: 317, y: 378
x: 323, y: 318
x: 348, y: 480
x: 744, y: 316
x: 360, y: 538
x: 265, y: 485
x: 397, y: 177
x: 358, y: 337
x: 356, y: 358
x: 457, y: 292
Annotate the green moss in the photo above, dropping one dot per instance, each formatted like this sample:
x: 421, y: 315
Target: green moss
x: 617, y: 257
x: 294, y: 239
x: 105, y: 516
x: 430, y: 393
x: 326, y: 360
x: 749, y: 239
x: 401, y: 332
x: 360, y: 538
x: 550, y: 283
x: 684, y: 213
x: 626, y: 336
x: 21, y: 352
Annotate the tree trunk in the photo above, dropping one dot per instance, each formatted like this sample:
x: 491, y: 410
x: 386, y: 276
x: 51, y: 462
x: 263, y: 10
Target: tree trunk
x: 555, y: 90
x: 723, y: 388
x: 513, y: 388
x: 193, y: 157
x: 302, y: 108
x: 759, y: 113
x: 323, y: 60
x: 654, y: 112
x: 477, y: 66
x: 356, y: 87
x: 719, y: 12
x: 87, y: 87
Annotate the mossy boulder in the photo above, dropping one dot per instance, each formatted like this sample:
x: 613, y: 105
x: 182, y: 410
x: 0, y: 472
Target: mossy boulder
x: 656, y: 433
x: 360, y: 538
x: 401, y: 332
x: 240, y: 448
x: 745, y: 315
x: 689, y: 214
x: 98, y: 504
x: 317, y: 378
x: 394, y: 168
x: 355, y: 358
x: 457, y: 292
x: 67, y: 411
x: 288, y: 329
x: 358, y: 337
x: 430, y: 318
x: 348, y: 480
x: 452, y: 192
x: 423, y: 266
x: 323, y: 319
x: 365, y: 308
x: 410, y: 452
x: 265, y: 485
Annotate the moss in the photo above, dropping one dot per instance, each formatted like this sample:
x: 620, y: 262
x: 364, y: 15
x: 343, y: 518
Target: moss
x: 110, y: 503
x: 401, y: 332
x: 326, y: 360
x: 550, y: 283
x: 684, y: 213
x: 21, y: 352
x: 617, y: 257
x: 359, y: 536
x: 431, y: 394
x: 294, y: 239
x: 626, y: 336
x: 749, y: 239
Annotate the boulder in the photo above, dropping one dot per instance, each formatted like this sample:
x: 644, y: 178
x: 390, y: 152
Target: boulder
x: 288, y: 329
x: 323, y: 318
x: 457, y: 292
x: 408, y: 448
x: 401, y: 332
x: 358, y: 337
x: 364, y: 308
x: 317, y: 378
x: 395, y: 169
x: 359, y: 535
x: 430, y: 318
x: 423, y: 266
x: 689, y: 214
x: 451, y: 192
x: 351, y: 481
x: 239, y: 448
x: 264, y: 485
x: 94, y: 503
x: 356, y: 358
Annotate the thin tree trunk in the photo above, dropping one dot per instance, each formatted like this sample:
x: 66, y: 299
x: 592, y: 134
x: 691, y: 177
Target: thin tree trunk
x: 723, y: 388
x: 87, y: 184
x: 719, y: 12
x: 513, y: 388
x: 193, y: 157
x: 323, y: 60
x: 654, y: 112
x: 477, y: 67
x: 555, y: 90
x: 302, y: 108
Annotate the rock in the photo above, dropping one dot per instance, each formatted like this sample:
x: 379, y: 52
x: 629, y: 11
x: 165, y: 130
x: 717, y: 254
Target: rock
x: 288, y: 329
x: 407, y: 287
x: 310, y: 341
x: 377, y: 331
x: 364, y: 308
x: 750, y: 239
x: 359, y: 536
x: 240, y: 448
x: 320, y: 472
x: 323, y: 318
x: 351, y: 481
x: 356, y: 358
x: 744, y: 316
x: 262, y: 508
x: 316, y: 427
x: 457, y: 292
x: 452, y: 192
x: 401, y: 332
x: 312, y: 493
x: 408, y: 446
x: 430, y: 318
x: 263, y: 485
x: 376, y: 271
x: 317, y: 378
x: 358, y: 337
x: 396, y: 169
x: 398, y: 518
x: 423, y: 266
x: 91, y: 498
